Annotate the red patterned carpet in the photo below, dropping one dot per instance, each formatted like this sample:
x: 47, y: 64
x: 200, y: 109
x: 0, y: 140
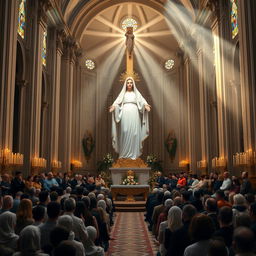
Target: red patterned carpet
x: 131, y: 236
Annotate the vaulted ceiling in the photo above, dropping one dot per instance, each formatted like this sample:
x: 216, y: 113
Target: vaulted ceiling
x: 97, y: 23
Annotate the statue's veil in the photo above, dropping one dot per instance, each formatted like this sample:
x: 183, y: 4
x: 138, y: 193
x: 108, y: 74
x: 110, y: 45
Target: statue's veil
x: 117, y: 114
x: 120, y: 97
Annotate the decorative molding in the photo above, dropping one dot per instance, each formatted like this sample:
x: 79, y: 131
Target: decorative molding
x: 126, y: 162
x: 21, y: 83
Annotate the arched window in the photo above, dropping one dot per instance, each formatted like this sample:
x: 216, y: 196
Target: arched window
x: 234, y: 18
x: 44, y: 51
x: 22, y: 18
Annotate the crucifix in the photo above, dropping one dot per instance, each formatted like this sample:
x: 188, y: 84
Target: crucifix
x: 129, y: 50
x: 129, y: 56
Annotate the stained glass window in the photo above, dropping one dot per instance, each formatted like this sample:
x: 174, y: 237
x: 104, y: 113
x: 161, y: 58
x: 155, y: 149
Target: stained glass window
x: 169, y: 64
x: 22, y: 19
x: 234, y: 24
x: 44, y: 48
x: 90, y: 64
x: 129, y: 22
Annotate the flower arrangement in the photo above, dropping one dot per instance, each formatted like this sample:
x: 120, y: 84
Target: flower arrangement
x: 152, y: 179
x: 106, y: 163
x: 106, y: 176
x: 130, y: 179
x: 153, y: 163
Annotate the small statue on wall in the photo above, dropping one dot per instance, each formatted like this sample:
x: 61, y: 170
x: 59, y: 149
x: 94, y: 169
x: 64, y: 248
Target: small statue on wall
x: 171, y: 144
x: 88, y: 145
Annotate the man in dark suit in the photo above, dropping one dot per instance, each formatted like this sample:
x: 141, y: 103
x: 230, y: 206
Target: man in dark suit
x: 17, y: 183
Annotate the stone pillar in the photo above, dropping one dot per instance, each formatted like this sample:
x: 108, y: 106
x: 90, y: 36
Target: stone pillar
x: 247, y: 42
x: 77, y: 111
x: 56, y: 50
x: 9, y: 21
x: 66, y: 96
x: 191, y: 76
x: 183, y: 112
x: 22, y: 87
x: 35, y: 29
x: 37, y: 87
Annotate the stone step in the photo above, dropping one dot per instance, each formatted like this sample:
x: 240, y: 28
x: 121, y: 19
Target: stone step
x: 130, y: 209
x: 128, y: 206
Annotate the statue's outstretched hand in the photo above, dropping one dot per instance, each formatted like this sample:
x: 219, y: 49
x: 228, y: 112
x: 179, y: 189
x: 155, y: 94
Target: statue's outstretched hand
x: 111, y: 108
x: 148, y: 107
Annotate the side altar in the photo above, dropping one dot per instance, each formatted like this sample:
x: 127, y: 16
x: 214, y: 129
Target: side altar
x: 122, y: 166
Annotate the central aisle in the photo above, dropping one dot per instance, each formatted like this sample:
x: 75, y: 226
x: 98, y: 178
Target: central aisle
x: 131, y: 236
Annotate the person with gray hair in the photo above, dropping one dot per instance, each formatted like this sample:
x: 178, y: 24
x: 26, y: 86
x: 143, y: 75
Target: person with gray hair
x: 174, y: 223
x: 93, y: 250
x: 66, y: 221
x: 29, y: 242
x: 78, y: 224
x: 7, y: 236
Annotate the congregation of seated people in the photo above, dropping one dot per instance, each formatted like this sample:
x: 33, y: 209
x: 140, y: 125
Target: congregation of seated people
x: 211, y: 215
x: 54, y: 215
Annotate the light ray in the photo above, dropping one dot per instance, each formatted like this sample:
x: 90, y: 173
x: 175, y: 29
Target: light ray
x: 103, y: 48
x: 159, y: 51
x: 150, y: 24
x: 156, y: 33
x: 108, y: 23
x: 102, y: 34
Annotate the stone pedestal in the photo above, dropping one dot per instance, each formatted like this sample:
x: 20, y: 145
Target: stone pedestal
x: 117, y: 174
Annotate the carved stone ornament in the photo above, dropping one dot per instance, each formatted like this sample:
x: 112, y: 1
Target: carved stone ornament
x: 126, y: 162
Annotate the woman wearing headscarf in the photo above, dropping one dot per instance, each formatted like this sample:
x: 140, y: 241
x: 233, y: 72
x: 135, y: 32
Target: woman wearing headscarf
x: 8, y: 238
x: 29, y: 242
x: 66, y: 221
x: 129, y: 130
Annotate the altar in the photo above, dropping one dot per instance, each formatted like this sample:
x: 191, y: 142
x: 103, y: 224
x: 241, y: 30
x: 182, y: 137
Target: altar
x: 130, y: 191
x: 117, y: 174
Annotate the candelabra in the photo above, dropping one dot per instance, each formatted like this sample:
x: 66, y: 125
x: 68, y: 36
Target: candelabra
x: 10, y: 161
x: 76, y: 164
x: 219, y: 162
x: 56, y: 164
x: 184, y: 165
x: 247, y: 158
x: 201, y: 164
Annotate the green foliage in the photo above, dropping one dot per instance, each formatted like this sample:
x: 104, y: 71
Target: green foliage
x: 153, y: 163
x: 106, y: 163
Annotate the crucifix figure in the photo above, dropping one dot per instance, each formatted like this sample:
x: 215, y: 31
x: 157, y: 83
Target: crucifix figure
x: 129, y: 41
x: 129, y: 50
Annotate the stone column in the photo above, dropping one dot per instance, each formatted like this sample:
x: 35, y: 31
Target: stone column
x: 247, y: 42
x: 37, y: 85
x: 22, y: 87
x: 77, y: 114
x: 55, y: 69
x: 183, y: 112
x: 66, y: 97
x: 35, y: 30
x: 191, y: 76
x: 9, y: 21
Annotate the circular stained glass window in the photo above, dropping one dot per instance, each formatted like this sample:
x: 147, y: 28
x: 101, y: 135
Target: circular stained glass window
x: 129, y: 22
x: 90, y: 64
x: 169, y: 64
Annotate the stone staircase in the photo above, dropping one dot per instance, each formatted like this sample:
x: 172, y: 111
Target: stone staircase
x: 126, y: 206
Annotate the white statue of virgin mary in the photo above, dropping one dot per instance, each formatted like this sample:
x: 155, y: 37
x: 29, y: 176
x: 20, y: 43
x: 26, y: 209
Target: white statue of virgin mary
x: 129, y: 121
